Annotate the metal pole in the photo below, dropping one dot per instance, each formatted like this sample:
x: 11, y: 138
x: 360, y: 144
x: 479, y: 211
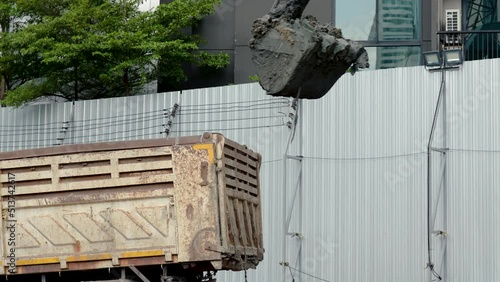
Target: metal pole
x: 430, y: 221
x: 284, y: 262
x: 285, y: 227
x: 299, y: 266
x: 445, y: 180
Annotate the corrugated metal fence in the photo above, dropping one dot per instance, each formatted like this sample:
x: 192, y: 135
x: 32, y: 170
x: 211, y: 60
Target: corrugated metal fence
x: 355, y: 200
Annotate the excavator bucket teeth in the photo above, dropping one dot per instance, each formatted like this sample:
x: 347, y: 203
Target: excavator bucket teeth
x: 299, y: 57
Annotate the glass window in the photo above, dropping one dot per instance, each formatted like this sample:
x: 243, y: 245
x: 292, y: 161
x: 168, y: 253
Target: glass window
x: 398, y: 20
x: 392, y: 57
x: 356, y: 18
x: 395, y: 19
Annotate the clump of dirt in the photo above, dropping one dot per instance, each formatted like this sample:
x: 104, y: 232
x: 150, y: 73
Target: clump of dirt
x: 299, y: 57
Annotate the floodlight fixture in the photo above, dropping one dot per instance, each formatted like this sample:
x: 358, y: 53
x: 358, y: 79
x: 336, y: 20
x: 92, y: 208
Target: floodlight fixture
x: 432, y: 59
x: 452, y: 58
x: 447, y: 59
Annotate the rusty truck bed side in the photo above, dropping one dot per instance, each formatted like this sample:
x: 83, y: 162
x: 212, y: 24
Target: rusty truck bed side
x: 172, y: 200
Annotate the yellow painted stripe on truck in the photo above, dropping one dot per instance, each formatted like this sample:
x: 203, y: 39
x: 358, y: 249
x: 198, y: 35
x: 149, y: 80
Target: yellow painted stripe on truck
x: 89, y: 257
x: 139, y: 254
x: 209, y: 148
x: 135, y: 254
x: 37, y: 261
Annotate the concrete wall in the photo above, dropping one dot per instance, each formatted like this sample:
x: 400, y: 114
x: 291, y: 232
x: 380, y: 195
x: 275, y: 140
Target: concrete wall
x: 452, y: 4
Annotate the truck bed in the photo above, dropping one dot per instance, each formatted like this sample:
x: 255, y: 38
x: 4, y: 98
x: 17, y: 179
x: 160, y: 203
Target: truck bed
x: 188, y: 200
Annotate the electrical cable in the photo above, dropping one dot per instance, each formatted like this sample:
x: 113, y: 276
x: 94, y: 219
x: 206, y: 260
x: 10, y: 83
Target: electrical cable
x: 307, y: 274
x: 272, y: 100
x: 81, y: 129
x: 75, y: 121
x: 121, y: 116
x: 78, y: 133
x: 237, y: 107
x: 227, y: 129
x: 87, y: 127
x: 273, y: 161
x: 119, y: 123
x: 229, y: 111
x: 291, y: 274
x: 45, y: 144
x: 90, y: 127
x: 367, y: 158
x: 474, y: 151
x: 133, y: 137
x: 22, y: 132
x: 111, y: 133
x: 234, y: 103
x: 433, y: 272
x: 144, y: 115
x: 30, y: 125
x: 23, y: 141
x: 235, y: 119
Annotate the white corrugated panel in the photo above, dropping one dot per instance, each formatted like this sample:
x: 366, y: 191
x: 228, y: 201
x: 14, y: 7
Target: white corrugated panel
x: 473, y: 190
x: 360, y: 213
x: 365, y: 162
x: 32, y: 126
x: 124, y: 118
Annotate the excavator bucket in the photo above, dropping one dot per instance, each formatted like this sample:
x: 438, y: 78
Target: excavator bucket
x: 298, y: 57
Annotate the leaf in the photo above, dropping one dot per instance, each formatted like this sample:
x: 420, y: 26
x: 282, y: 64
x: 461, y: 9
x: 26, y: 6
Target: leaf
x: 89, y: 49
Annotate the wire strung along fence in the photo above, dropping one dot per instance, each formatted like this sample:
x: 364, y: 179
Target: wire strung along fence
x: 132, y: 119
x: 475, y: 45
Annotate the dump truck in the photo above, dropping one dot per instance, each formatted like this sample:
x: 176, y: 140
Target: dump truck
x: 171, y: 209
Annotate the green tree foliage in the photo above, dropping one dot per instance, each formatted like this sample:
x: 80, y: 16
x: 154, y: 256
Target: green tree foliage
x: 7, y: 12
x: 87, y: 49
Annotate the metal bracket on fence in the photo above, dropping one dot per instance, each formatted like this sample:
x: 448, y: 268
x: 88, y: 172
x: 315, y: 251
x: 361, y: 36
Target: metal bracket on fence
x: 440, y: 150
x: 170, y: 116
x: 297, y: 158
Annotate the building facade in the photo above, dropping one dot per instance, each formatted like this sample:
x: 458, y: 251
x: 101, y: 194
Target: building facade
x: 395, y: 32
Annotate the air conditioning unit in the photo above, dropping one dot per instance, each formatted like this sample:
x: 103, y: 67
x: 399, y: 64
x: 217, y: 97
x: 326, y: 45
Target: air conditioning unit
x: 453, y: 23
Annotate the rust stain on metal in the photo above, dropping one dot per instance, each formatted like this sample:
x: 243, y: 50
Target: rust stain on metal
x: 76, y: 247
x: 204, y: 173
x: 189, y: 211
x: 44, y: 268
x: 202, y: 244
